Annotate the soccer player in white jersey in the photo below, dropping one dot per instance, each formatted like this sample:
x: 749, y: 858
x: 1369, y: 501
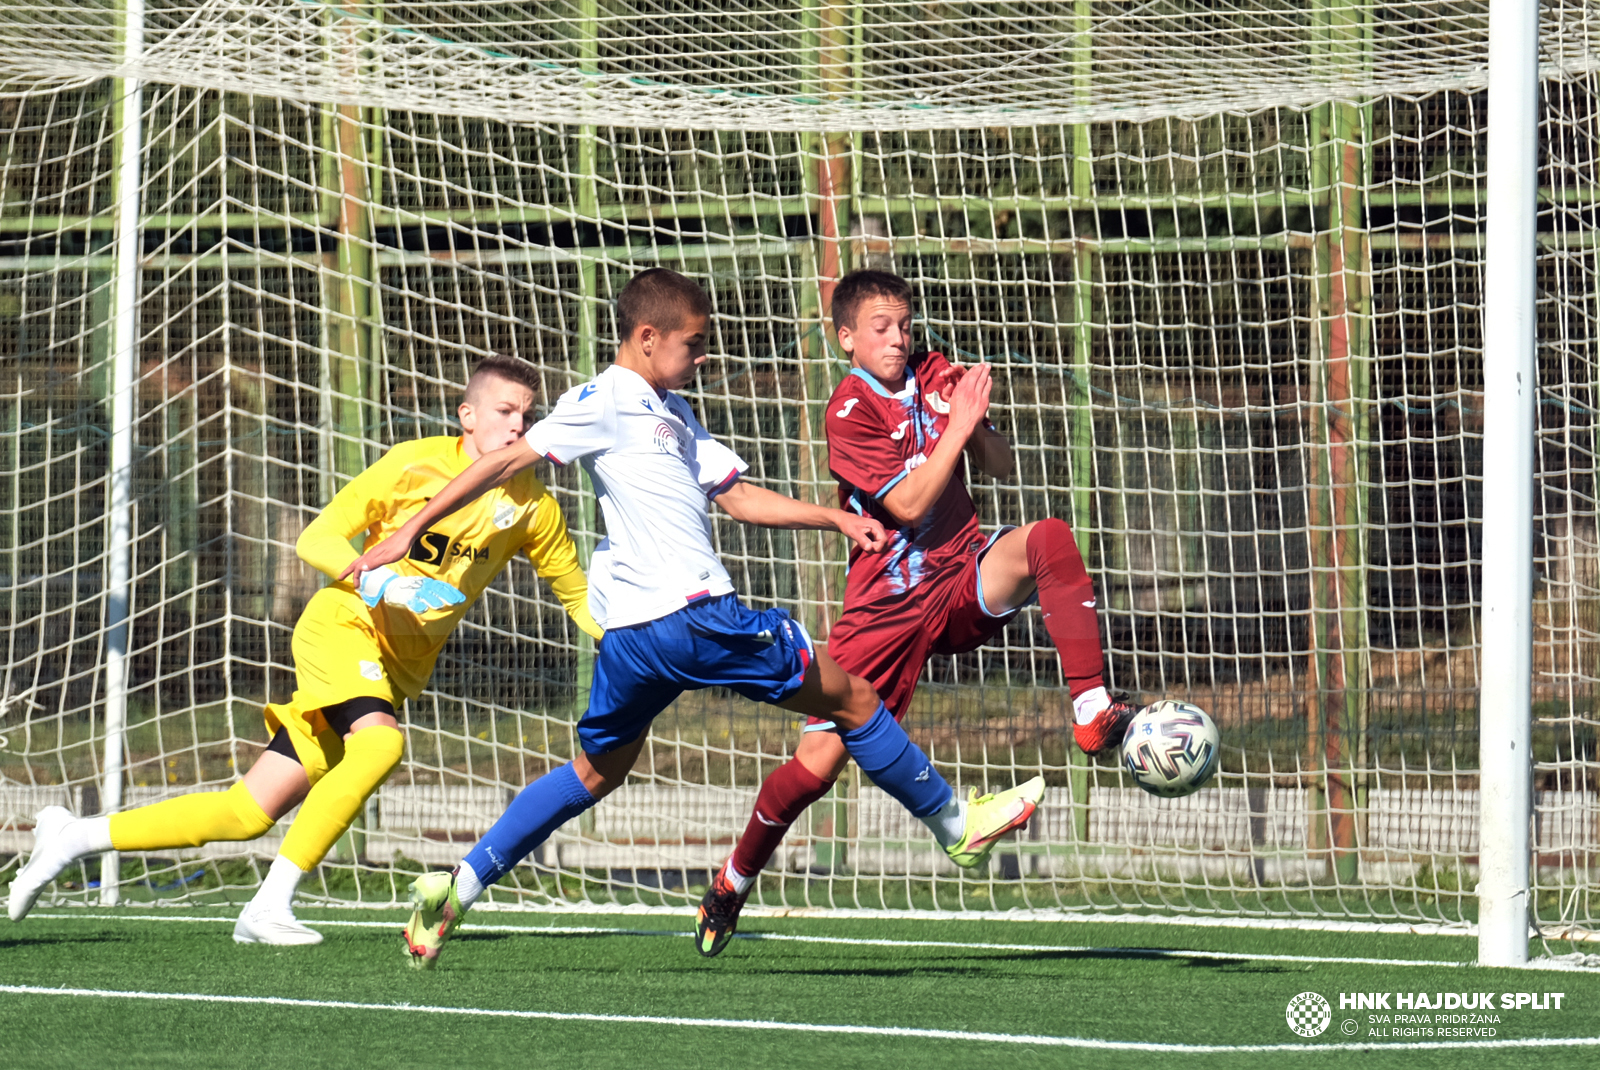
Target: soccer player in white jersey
x: 672, y: 622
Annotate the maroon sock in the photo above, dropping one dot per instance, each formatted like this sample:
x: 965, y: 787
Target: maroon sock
x: 784, y: 797
x: 1066, y: 595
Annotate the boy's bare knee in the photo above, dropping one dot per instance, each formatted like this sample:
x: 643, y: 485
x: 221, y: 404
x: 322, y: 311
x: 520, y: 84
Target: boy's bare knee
x: 596, y: 782
x: 863, y: 698
x: 822, y: 754
x: 601, y: 774
x: 276, y: 784
x: 857, y: 705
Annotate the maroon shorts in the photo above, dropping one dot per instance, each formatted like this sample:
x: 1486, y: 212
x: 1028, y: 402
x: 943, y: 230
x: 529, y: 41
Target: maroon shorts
x: 888, y: 642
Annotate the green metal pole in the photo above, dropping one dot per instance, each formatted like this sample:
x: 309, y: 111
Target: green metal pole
x: 352, y: 296
x: 830, y: 186
x: 1318, y: 509
x: 1081, y: 426
x: 836, y: 35
x: 355, y: 146
x: 1351, y: 313
x: 820, y: 265
x: 99, y: 280
x: 1367, y: 434
x: 586, y: 365
x: 1468, y: 244
x: 1341, y: 379
x: 183, y: 492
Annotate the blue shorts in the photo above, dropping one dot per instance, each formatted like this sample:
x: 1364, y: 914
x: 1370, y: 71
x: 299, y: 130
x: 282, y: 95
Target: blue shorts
x: 715, y: 642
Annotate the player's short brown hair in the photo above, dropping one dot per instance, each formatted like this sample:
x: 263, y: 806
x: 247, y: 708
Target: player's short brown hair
x: 659, y: 298
x: 504, y: 367
x: 856, y: 288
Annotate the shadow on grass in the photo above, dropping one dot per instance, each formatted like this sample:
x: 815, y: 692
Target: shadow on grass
x: 969, y: 959
x: 97, y: 939
x: 1237, y: 964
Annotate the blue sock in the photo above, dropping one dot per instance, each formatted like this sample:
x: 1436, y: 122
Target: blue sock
x: 537, y: 811
x: 886, y: 754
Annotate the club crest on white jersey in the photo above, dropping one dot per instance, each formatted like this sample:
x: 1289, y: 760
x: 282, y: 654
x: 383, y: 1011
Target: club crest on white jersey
x: 667, y: 440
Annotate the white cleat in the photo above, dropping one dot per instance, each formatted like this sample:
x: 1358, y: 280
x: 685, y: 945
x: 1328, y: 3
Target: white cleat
x: 49, y: 858
x: 280, y: 928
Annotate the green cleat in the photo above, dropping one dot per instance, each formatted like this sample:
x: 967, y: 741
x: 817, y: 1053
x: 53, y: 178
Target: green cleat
x: 991, y: 816
x: 718, y: 918
x: 436, y: 914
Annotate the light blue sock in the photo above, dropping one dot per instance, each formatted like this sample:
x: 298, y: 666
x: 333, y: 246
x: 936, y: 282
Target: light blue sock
x: 537, y: 811
x: 886, y: 754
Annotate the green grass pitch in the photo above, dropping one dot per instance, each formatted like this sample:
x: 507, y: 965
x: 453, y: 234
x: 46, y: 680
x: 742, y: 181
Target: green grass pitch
x: 1041, y: 994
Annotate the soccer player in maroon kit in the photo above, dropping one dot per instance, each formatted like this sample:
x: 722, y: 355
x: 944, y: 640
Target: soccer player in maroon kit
x: 897, y: 428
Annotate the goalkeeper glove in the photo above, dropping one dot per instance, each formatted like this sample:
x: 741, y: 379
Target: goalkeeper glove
x: 416, y: 593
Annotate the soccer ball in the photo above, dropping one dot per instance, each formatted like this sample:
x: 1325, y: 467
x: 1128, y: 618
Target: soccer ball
x: 1171, y: 748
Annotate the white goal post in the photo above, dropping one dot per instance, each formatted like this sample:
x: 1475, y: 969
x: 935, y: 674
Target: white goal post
x: 1293, y: 312
x: 124, y: 358
x: 1510, y: 380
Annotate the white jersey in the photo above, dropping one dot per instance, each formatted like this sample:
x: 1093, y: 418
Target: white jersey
x: 655, y: 470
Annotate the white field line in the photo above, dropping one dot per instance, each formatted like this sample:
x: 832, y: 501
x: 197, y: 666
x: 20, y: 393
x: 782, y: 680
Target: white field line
x: 1334, y: 925
x: 1129, y: 952
x: 1463, y: 929
x: 793, y: 1027
x: 1302, y: 924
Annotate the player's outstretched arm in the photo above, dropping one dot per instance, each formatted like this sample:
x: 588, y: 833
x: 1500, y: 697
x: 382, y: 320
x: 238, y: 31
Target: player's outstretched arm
x: 484, y: 474
x: 751, y: 504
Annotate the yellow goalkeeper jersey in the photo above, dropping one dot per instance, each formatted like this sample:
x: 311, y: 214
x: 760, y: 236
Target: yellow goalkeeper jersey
x: 466, y: 549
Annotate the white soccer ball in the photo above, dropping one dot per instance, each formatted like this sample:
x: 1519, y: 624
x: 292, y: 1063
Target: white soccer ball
x: 1171, y: 748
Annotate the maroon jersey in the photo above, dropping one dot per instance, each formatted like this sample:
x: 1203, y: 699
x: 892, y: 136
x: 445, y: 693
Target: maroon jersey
x: 875, y: 439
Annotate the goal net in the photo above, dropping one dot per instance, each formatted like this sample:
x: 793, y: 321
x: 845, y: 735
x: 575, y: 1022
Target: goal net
x: 1224, y: 258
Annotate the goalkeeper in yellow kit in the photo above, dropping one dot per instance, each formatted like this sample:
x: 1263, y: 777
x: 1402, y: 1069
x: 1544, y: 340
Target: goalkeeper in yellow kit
x: 359, y: 651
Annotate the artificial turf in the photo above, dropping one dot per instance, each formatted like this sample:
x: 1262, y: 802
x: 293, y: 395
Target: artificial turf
x: 1096, y: 981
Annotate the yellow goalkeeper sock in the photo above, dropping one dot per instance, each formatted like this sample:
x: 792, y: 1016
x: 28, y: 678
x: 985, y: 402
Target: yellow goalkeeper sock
x: 370, y: 755
x: 190, y: 820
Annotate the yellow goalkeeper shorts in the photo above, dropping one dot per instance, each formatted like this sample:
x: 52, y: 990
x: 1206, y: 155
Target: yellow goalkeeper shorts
x: 336, y: 658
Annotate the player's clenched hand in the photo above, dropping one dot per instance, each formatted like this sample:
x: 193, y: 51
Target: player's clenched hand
x: 865, y: 531
x: 969, y: 400
x: 945, y: 382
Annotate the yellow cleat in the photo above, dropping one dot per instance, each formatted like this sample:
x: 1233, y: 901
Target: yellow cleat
x: 435, y: 916
x: 990, y: 817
